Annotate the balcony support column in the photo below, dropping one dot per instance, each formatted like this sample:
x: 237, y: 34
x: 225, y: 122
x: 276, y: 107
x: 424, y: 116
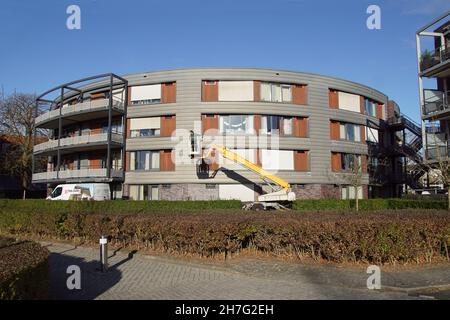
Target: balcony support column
x: 125, y: 130
x: 58, y: 161
x: 108, y: 154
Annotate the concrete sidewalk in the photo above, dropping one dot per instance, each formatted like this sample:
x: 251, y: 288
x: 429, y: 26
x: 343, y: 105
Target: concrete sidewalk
x: 136, y: 276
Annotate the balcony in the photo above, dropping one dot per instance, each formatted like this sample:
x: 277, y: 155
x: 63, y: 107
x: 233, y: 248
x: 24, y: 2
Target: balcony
x: 87, y: 110
x: 84, y: 142
x: 435, y: 63
x: 80, y: 175
x: 436, y: 153
x: 436, y: 104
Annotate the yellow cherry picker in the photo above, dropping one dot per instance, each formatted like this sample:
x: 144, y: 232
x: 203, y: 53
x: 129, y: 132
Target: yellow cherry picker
x: 281, y: 197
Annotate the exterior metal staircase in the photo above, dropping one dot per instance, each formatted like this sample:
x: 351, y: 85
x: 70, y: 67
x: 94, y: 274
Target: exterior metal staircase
x: 411, y: 147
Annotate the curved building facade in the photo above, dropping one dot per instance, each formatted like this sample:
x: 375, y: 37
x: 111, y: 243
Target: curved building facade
x: 134, y: 133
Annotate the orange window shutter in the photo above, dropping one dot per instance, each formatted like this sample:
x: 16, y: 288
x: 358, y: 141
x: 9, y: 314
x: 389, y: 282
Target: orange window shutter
x: 334, y: 99
x: 168, y: 93
x: 300, y: 94
x: 301, y: 161
x: 334, y: 130
x: 379, y: 111
x: 257, y: 123
x: 210, y: 91
x: 168, y: 125
x: 257, y: 91
x: 335, y: 161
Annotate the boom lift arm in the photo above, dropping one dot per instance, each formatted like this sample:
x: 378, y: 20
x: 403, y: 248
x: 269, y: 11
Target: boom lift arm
x: 269, y: 200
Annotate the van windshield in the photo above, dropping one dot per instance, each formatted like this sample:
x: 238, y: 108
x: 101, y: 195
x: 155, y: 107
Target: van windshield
x: 57, y: 192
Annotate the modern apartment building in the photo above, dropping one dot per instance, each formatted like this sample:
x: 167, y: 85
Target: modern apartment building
x: 134, y: 132
x: 434, y: 83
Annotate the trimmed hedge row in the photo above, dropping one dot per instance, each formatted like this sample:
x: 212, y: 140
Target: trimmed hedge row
x: 136, y: 207
x: 116, y: 206
x: 374, y: 237
x: 23, y: 270
x: 369, y: 204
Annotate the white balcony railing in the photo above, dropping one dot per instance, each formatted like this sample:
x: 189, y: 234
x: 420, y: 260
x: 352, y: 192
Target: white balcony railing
x: 79, y: 107
x: 45, y: 175
x: 78, y: 140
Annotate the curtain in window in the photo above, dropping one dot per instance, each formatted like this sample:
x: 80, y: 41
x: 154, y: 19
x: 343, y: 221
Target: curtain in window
x: 350, y: 130
x: 276, y: 93
x: 155, y: 160
x: 265, y: 91
x: 154, y: 193
x: 357, y: 130
x: 287, y: 126
x: 286, y: 93
x: 342, y: 131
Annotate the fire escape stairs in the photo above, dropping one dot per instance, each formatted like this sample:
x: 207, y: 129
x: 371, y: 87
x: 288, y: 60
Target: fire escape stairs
x: 411, y: 149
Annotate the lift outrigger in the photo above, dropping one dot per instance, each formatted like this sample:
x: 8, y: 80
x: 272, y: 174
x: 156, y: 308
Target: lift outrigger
x: 281, y: 197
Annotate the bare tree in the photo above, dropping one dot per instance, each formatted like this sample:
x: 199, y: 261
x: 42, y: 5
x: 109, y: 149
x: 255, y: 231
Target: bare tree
x: 438, y: 162
x: 17, y: 112
x: 351, y: 176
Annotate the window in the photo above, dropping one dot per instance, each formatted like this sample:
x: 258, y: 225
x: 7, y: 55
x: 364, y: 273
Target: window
x: 372, y: 134
x: 349, y: 102
x: 116, y: 127
x: 350, y: 161
x: 370, y: 107
x: 350, y: 132
x: 144, y: 192
x: 277, y: 159
x: 276, y: 125
x: 348, y: 192
x: 236, y: 91
x: 57, y: 192
x: 149, y: 94
x: 145, y: 127
x: 236, y: 124
x: 144, y: 160
x: 275, y: 92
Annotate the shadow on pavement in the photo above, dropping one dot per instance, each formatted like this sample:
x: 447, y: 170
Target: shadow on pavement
x: 93, y: 281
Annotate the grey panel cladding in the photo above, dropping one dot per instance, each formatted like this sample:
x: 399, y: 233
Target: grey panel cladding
x: 189, y: 108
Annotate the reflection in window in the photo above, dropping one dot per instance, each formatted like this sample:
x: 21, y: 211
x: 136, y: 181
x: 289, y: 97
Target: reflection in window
x: 276, y: 92
x: 350, y: 162
x: 236, y: 124
x: 144, y: 160
x: 276, y: 125
x: 144, y: 192
x: 370, y: 107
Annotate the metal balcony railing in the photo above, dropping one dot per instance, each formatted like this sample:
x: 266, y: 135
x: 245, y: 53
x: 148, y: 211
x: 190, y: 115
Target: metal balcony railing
x: 430, y: 59
x: 78, y: 140
x: 85, y: 106
x: 437, y: 152
x: 82, y: 173
x: 435, y: 101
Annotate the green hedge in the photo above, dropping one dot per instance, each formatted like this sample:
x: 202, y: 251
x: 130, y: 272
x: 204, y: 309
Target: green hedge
x: 116, y: 206
x: 368, y: 204
x: 134, y: 207
x: 388, y: 236
x: 23, y: 270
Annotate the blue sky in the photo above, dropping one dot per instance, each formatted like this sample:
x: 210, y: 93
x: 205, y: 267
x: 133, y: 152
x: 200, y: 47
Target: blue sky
x: 38, y: 52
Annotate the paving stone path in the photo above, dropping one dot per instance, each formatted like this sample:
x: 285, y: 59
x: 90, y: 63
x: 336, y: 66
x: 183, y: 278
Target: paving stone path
x: 136, y: 276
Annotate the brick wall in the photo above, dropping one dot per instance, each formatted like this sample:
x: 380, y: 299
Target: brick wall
x: 188, y: 192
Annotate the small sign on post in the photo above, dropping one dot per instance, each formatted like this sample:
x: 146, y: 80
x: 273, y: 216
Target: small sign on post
x: 103, y: 253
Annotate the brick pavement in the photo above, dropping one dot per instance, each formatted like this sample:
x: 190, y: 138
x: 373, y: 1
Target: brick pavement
x: 136, y: 276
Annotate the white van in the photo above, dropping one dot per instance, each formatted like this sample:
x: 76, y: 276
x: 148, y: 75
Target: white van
x: 81, y: 191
